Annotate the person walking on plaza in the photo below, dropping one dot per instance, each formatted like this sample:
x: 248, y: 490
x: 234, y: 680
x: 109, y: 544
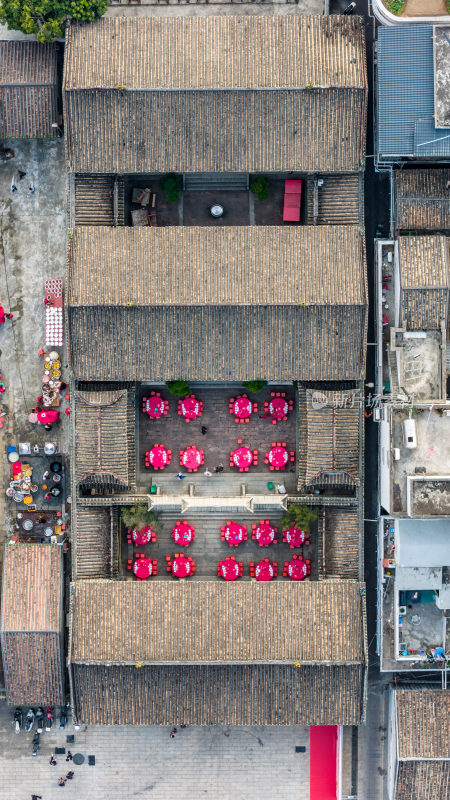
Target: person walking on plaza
x: 62, y: 782
x: 70, y: 775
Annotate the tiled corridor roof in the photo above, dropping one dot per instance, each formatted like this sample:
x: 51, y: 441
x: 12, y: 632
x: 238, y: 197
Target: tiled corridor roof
x: 28, y: 89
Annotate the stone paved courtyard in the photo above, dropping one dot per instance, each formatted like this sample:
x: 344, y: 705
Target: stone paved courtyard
x: 216, y: 762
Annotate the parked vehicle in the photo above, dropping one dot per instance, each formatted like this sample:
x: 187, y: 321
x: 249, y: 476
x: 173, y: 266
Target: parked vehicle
x: 49, y: 719
x: 349, y: 9
x: 18, y: 718
x: 29, y: 720
x: 63, y: 718
x: 35, y: 744
x: 40, y: 719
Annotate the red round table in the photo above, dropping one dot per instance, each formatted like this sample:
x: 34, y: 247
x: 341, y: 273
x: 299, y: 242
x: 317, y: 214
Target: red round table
x: 242, y: 407
x: 278, y: 408
x: 158, y: 456
x: 181, y: 567
x: 142, y: 536
x: 191, y: 408
x: 278, y: 457
x: 242, y: 457
x: 294, y: 536
x: 183, y: 534
x: 143, y: 568
x: 192, y: 457
x: 297, y: 570
x: 264, y: 571
x: 235, y: 533
x: 264, y: 534
x: 48, y: 417
x: 229, y: 570
x: 154, y: 407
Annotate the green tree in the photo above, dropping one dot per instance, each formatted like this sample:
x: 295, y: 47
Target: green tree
x: 171, y: 185
x: 178, y: 388
x: 254, y: 386
x: 260, y: 187
x: 300, y: 516
x: 138, y: 516
x: 47, y: 18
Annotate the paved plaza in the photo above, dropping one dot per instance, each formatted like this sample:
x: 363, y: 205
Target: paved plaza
x: 223, y: 763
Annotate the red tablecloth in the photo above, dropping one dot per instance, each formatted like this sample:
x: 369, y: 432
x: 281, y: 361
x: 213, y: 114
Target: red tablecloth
x: 191, y: 408
x: 143, y: 568
x: 229, y: 570
x: 264, y: 571
x: 297, y: 570
x: 158, y: 456
x: 278, y: 408
x: 278, y: 457
x: 181, y: 567
x: 235, y: 533
x: 48, y: 417
x: 242, y: 457
x: 192, y: 457
x: 264, y: 534
x: 294, y: 536
x: 142, y: 536
x: 155, y: 407
x: 183, y: 534
x: 242, y: 407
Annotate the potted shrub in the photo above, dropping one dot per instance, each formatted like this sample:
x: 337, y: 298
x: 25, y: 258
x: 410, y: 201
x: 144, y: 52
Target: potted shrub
x: 171, y: 185
x: 260, y: 187
x: 254, y: 386
x: 178, y: 388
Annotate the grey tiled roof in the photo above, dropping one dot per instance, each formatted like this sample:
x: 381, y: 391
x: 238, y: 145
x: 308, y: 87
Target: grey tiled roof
x: 329, y: 438
x: 422, y: 723
x: 259, y: 694
x: 422, y: 199
x: 215, y: 307
x: 423, y: 780
x: 219, y: 94
x: 343, y: 541
x: 424, y: 276
x: 211, y: 622
x: 28, y: 89
x: 31, y: 624
x: 93, y: 546
x: 105, y: 438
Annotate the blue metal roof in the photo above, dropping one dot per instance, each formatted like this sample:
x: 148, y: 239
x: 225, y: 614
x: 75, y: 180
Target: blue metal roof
x: 405, y: 95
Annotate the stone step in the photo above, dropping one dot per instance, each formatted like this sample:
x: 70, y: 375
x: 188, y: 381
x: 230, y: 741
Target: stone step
x: 225, y: 181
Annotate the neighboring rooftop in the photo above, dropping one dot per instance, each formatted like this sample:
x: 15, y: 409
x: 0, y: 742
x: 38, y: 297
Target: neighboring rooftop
x: 174, y: 622
x: 303, y: 79
x: 31, y: 624
x: 94, y: 543
x: 422, y: 199
x: 424, y: 281
x: 423, y: 743
x: 442, y: 75
x: 28, y: 90
x: 207, y: 304
x: 405, y: 96
x: 423, y: 467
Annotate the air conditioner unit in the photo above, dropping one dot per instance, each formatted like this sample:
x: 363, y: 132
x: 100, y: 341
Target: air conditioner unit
x: 396, y: 454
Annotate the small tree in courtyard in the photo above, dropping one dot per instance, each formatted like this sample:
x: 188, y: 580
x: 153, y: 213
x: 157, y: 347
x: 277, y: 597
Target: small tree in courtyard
x: 138, y: 516
x: 178, y: 388
x: 47, y: 18
x: 254, y: 386
x: 299, y: 516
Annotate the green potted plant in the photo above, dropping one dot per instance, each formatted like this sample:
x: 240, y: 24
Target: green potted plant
x: 171, y: 185
x: 254, y: 386
x: 260, y: 187
x: 178, y: 388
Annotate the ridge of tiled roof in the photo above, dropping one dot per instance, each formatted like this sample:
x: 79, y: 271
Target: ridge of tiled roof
x: 257, y: 694
x: 171, y: 622
x: 422, y: 723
